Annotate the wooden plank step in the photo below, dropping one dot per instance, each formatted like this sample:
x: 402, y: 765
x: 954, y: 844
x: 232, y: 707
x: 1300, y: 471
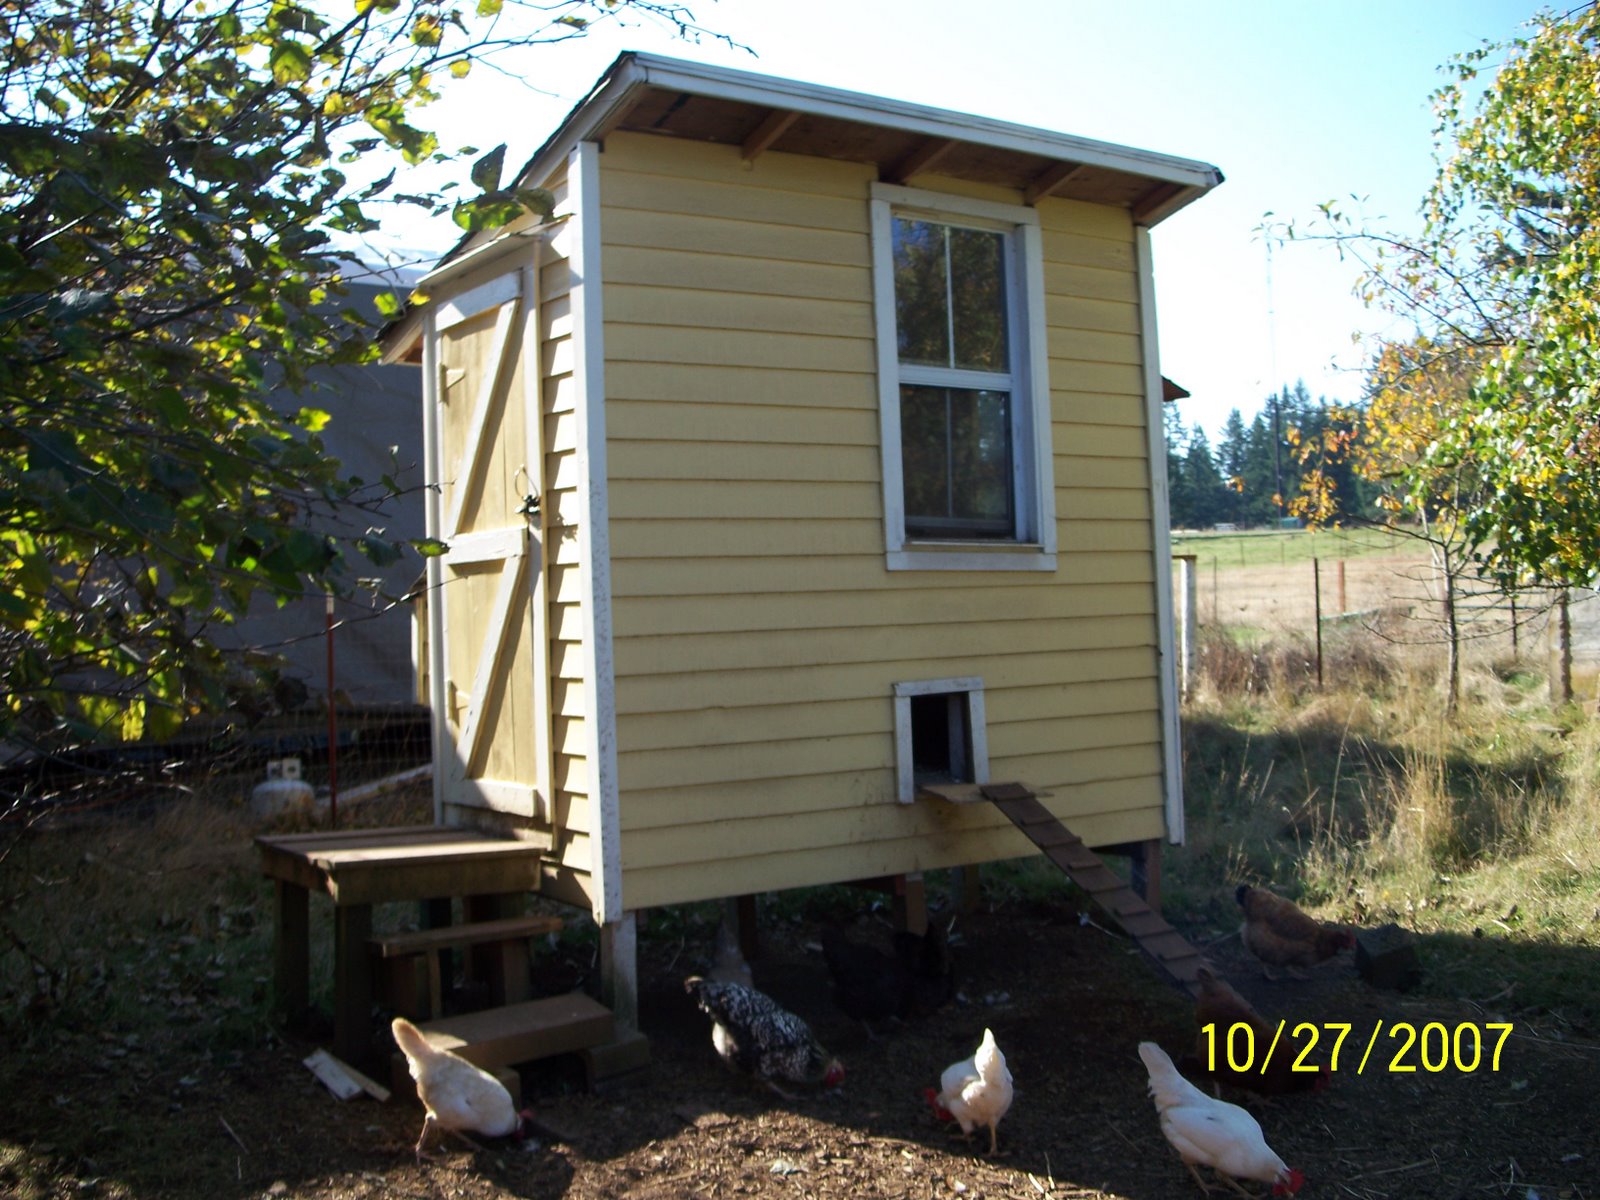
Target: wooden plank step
x: 1025, y: 811
x: 523, y: 1032
x: 952, y: 793
x: 1127, y: 904
x: 1167, y: 946
x: 1144, y: 925
x: 1098, y: 879
x: 1052, y: 836
x: 420, y: 941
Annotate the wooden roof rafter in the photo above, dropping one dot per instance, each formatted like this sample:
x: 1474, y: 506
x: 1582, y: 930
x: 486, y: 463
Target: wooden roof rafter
x: 765, y: 134
x: 925, y: 157
x: 1154, y: 199
x: 1050, y: 180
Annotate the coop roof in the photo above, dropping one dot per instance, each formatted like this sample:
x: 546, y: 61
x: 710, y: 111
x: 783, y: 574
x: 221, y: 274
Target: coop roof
x: 647, y: 93
x: 668, y: 97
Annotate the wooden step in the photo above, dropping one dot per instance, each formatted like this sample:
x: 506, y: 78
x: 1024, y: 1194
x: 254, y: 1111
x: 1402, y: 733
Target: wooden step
x: 476, y: 933
x: 411, y: 975
x: 524, y: 1032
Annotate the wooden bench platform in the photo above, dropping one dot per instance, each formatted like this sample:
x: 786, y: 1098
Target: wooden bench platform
x: 426, y: 1001
x: 358, y: 868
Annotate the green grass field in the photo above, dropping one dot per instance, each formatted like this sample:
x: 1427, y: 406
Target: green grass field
x: 1266, y: 547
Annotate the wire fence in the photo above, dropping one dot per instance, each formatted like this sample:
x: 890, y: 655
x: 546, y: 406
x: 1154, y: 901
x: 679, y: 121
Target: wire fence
x: 223, y: 761
x: 1409, y: 604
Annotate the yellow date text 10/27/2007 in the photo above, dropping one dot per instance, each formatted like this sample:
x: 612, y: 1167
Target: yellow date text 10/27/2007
x: 1433, y: 1048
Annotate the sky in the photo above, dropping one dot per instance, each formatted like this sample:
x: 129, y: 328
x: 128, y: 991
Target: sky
x: 1297, y: 103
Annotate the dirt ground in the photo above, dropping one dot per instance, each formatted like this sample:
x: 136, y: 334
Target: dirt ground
x: 1067, y: 1002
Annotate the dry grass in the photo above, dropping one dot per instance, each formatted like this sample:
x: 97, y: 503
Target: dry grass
x: 1370, y: 804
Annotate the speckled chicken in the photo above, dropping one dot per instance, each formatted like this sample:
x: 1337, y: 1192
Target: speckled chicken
x: 1280, y: 935
x: 756, y: 1037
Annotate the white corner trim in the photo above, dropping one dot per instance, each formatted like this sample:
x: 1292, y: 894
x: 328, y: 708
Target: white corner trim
x: 433, y: 571
x: 594, y: 535
x: 538, y: 534
x: 978, y: 731
x: 1167, y: 662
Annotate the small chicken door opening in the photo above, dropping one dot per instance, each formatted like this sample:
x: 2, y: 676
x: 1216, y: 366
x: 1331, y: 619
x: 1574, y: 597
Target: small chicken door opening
x: 939, y: 734
x: 941, y: 742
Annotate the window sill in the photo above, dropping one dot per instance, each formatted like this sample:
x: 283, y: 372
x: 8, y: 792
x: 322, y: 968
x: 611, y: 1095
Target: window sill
x: 971, y: 556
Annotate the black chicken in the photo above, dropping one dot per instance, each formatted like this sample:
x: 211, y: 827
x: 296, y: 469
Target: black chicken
x: 872, y: 985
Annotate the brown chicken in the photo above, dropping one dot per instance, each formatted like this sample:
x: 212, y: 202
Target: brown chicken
x: 1221, y: 1007
x: 1280, y: 935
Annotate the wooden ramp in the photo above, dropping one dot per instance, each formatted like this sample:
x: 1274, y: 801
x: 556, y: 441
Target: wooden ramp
x: 1171, y: 953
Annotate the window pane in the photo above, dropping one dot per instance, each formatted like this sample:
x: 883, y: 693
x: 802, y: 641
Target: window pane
x: 956, y: 462
x: 980, y: 434
x: 978, y: 291
x: 925, y: 449
x: 921, y: 291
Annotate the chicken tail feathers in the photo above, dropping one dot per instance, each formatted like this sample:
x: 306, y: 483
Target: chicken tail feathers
x: 410, y: 1040
x: 1166, y: 1084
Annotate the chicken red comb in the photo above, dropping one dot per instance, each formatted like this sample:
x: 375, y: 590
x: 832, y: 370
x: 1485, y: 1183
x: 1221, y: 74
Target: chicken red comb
x: 1296, y: 1181
x: 939, y: 1110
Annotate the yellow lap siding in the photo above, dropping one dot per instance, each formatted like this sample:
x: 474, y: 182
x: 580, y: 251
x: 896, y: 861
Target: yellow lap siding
x: 775, y: 573
x: 655, y: 616
x: 717, y: 429
x: 700, y: 384
x: 757, y: 685
x: 897, y: 644
x: 793, y: 833
x: 673, y: 306
x: 760, y: 277
x: 710, y: 804
x: 761, y: 872
x: 702, y: 233
x: 797, y: 464
x: 757, y: 631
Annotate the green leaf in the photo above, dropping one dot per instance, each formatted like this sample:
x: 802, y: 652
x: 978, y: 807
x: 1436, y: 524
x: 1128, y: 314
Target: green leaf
x: 486, y: 171
x: 290, y: 62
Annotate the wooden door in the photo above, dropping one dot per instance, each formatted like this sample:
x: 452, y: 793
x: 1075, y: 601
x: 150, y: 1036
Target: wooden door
x: 488, y: 644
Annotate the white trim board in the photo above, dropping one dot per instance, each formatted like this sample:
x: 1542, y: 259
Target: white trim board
x: 1161, y: 518
x: 594, y: 538
x: 1027, y: 381
x: 433, y: 569
x: 977, y: 728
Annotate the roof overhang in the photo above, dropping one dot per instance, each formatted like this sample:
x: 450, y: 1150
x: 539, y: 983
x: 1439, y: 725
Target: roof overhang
x: 647, y: 93
x: 668, y: 97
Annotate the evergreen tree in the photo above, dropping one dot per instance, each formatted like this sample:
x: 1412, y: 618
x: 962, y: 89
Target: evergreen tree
x: 1208, y: 492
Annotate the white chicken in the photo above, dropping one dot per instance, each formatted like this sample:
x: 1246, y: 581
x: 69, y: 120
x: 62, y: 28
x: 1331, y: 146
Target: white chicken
x: 459, y: 1097
x: 976, y: 1091
x: 1221, y: 1135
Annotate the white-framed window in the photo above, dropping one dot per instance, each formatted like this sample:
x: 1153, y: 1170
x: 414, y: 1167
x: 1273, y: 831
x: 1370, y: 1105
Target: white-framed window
x: 963, y: 385
x: 939, y: 734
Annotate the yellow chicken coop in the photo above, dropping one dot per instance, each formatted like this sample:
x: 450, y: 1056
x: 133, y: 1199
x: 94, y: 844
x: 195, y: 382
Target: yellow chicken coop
x: 806, y: 466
